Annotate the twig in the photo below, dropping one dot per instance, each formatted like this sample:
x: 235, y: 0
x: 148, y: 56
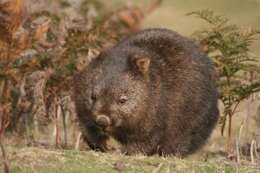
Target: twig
x: 78, y: 141
x: 252, y: 152
x: 255, y: 150
x: 3, y: 124
x: 5, y: 162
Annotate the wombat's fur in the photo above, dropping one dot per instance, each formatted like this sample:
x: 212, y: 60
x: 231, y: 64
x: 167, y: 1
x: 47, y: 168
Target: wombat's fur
x: 154, y: 92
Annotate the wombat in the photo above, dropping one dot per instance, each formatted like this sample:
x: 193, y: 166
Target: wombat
x: 154, y: 92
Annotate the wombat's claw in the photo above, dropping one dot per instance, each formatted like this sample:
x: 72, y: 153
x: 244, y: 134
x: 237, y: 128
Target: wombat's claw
x: 101, y: 148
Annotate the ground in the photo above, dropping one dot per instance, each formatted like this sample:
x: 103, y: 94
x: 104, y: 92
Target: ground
x: 32, y: 160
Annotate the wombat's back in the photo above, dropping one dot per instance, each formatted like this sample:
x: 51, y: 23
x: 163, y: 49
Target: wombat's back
x: 189, y: 95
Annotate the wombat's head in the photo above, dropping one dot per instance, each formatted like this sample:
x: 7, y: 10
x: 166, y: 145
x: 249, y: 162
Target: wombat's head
x: 116, y: 89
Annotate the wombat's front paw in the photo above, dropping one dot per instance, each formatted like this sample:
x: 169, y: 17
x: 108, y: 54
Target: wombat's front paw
x: 102, y: 148
x: 99, y: 145
x: 95, y: 147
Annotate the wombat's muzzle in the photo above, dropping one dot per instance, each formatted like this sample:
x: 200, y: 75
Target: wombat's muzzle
x: 103, y: 120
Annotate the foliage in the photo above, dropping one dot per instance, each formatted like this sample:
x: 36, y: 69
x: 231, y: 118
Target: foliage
x: 238, y: 71
x: 40, y: 51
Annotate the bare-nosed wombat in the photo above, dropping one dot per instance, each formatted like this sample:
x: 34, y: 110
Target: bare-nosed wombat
x: 154, y: 92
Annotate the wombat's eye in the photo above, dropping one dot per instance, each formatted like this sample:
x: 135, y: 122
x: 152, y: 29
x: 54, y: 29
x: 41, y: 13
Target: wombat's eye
x: 93, y: 97
x: 123, y: 99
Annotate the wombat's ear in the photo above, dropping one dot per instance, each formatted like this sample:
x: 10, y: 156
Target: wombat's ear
x: 142, y: 64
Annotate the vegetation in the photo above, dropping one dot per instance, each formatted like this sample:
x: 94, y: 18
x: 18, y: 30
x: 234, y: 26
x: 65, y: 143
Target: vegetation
x: 29, y: 160
x: 237, y: 68
x: 39, y: 53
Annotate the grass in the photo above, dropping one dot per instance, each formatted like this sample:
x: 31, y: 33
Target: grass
x: 38, y: 160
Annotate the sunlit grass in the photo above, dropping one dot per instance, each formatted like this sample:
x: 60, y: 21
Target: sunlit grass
x: 36, y: 160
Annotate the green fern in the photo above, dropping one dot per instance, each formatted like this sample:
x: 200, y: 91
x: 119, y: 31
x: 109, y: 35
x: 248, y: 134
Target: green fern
x: 229, y: 47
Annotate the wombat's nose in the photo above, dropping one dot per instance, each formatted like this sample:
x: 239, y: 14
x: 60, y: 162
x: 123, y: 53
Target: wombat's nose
x: 103, y: 120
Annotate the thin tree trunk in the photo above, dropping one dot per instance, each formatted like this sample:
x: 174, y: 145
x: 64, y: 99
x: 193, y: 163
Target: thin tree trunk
x: 257, y: 119
x: 229, y: 140
x: 57, y: 129
x: 247, y: 119
x: 63, y: 113
x: 248, y: 114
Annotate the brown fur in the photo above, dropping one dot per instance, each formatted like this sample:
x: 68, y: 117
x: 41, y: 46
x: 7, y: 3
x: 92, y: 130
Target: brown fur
x: 154, y: 92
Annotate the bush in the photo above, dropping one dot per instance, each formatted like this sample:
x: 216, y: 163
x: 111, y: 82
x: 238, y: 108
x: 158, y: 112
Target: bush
x: 238, y: 71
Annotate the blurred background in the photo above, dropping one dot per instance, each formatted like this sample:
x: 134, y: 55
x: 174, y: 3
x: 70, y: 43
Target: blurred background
x: 172, y: 14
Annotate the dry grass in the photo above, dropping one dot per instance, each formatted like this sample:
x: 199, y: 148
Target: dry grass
x: 37, y: 160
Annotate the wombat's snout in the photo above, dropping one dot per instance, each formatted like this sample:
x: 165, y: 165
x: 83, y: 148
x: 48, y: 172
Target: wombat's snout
x: 103, y: 120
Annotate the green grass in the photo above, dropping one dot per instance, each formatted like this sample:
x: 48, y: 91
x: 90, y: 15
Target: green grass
x: 36, y: 160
